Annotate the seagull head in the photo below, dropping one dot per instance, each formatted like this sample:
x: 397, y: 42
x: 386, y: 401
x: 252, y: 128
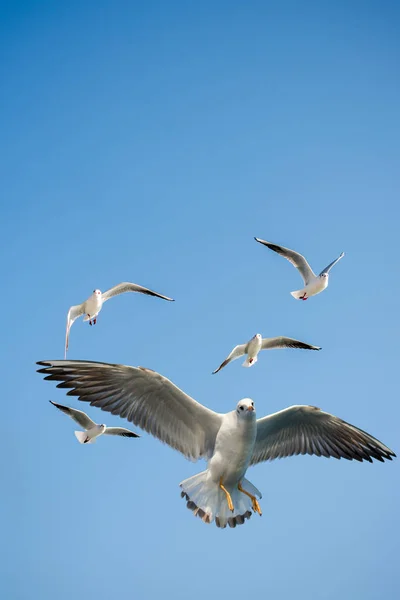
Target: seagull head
x: 97, y: 292
x: 258, y: 336
x: 245, y: 408
x: 324, y: 275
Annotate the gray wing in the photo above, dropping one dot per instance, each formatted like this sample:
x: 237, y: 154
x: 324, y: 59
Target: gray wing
x: 121, y: 288
x: 77, y: 415
x: 332, y: 264
x: 120, y: 431
x: 295, y: 258
x: 309, y: 430
x: 73, y: 313
x: 236, y: 353
x: 285, y: 342
x: 143, y: 397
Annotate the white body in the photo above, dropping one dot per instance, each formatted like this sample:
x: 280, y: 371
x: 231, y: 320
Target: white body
x: 233, y: 448
x: 89, y: 436
x: 316, y: 286
x: 253, y: 348
x: 93, y: 305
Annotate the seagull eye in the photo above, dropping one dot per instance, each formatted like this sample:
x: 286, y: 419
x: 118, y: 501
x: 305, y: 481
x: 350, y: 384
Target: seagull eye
x: 241, y: 408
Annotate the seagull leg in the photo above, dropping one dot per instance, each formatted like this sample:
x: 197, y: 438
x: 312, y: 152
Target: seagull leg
x: 94, y: 321
x: 228, y: 496
x: 254, y: 501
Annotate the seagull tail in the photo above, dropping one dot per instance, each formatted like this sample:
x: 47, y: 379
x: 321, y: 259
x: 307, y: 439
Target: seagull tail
x: 209, y: 502
x: 249, y: 362
x: 81, y: 436
x: 297, y: 294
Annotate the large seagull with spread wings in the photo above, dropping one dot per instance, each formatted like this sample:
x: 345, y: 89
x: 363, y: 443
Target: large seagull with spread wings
x: 229, y: 442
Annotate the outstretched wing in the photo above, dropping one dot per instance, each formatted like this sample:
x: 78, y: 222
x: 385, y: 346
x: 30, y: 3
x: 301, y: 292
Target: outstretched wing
x: 77, y: 415
x: 143, y: 397
x: 121, y: 288
x: 332, y: 264
x: 285, y: 342
x: 236, y: 353
x: 309, y: 430
x: 120, y: 431
x: 73, y: 313
x: 293, y: 257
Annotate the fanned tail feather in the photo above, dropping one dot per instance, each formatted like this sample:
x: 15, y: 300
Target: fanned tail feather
x: 208, y: 501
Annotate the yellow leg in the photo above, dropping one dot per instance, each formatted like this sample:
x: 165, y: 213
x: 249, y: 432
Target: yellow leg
x: 228, y: 496
x: 254, y: 501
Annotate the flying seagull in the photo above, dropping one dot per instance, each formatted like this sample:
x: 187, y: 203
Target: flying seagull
x: 92, y: 430
x: 229, y: 442
x: 313, y: 284
x: 256, y: 344
x: 93, y: 305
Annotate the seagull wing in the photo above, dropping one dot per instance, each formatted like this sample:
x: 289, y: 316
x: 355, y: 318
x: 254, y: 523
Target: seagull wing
x: 120, y: 431
x: 77, y: 415
x: 295, y: 258
x: 332, y: 264
x: 73, y: 313
x: 285, y: 342
x: 143, y: 397
x: 121, y: 288
x: 309, y: 430
x: 236, y: 353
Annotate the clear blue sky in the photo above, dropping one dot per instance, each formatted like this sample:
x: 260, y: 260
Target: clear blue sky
x: 149, y: 143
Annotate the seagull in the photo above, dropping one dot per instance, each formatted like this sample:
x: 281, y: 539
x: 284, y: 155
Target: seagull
x: 313, y: 284
x: 92, y: 430
x: 257, y: 343
x: 229, y: 442
x: 93, y: 305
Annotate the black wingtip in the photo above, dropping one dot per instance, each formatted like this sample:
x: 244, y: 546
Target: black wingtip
x: 264, y: 242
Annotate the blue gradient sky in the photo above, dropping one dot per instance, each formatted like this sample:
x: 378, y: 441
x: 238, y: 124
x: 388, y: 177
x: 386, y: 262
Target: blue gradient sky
x: 150, y: 142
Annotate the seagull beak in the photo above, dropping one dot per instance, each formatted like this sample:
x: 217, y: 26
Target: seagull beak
x: 251, y: 408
